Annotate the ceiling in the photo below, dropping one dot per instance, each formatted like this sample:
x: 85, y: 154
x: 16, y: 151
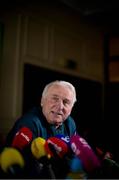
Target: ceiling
x: 100, y: 11
x: 87, y: 7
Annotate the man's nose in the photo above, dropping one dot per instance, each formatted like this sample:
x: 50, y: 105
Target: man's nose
x: 60, y: 104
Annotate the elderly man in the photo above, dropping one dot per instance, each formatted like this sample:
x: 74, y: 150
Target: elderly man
x: 50, y: 119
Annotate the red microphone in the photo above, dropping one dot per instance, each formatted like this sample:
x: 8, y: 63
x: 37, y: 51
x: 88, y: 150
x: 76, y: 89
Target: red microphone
x: 56, y: 147
x: 82, y: 150
x: 22, y: 138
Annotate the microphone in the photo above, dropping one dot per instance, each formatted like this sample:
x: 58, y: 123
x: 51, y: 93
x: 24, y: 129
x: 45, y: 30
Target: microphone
x: 109, y: 167
x: 12, y: 162
x: 56, y: 147
x: 38, y: 148
x: 76, y: 169
x: 43, y: 166
x: 82, y: 150
x: 106, y: 157
x: 66, y: 139
x: 59, y: 150
x: 22, y: 138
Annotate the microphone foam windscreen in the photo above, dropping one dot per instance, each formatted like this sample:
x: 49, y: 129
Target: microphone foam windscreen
x: 22, y: 138
x: 82, y: 150
x: 56, y: 147
x: 38, y: 147
x: 66, y: 139
x: 9, y: 157
x: 76, y: 170
x: 76, y: 164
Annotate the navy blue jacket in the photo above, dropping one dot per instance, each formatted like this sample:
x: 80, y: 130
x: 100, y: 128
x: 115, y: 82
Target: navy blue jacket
x: 36, y: 122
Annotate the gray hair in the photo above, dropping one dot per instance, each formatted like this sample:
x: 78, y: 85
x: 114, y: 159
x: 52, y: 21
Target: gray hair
x: 62, y: 83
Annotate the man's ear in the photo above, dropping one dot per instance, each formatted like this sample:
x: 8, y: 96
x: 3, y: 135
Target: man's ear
x: 41, y: 103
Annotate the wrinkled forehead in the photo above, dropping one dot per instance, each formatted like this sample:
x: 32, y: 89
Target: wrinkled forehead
x: 57, y: 87
x: 60, y: 90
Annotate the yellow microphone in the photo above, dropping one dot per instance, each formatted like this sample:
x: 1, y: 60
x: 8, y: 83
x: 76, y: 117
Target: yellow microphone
x: 38, y: 148
x: 10, y: 157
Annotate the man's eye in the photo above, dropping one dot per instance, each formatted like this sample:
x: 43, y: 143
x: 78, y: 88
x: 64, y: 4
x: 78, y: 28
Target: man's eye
x: 55, y: 98
x: 66, y: 102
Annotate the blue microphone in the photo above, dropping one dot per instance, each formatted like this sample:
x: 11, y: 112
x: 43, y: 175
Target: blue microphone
x: 76, y: 170
x: 66, y: 139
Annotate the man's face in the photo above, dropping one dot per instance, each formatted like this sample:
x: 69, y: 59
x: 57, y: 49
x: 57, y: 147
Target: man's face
x: 57, y: 105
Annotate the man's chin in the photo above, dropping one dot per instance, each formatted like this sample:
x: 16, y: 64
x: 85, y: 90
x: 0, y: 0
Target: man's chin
x: 58, y: 123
